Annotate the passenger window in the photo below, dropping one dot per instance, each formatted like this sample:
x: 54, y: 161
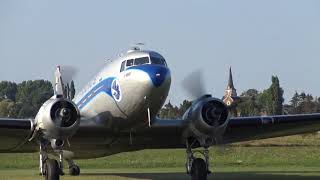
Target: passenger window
x: 140, y: 61
x: 129, y: 62
x: 123, y: 64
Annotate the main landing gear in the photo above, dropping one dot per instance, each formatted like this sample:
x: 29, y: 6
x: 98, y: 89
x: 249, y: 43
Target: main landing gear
x: 197, y: 168
x: 74, y: 170
x: 52, y: 169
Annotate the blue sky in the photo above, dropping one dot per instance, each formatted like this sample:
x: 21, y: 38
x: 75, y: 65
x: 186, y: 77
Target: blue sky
x: 257, y: 38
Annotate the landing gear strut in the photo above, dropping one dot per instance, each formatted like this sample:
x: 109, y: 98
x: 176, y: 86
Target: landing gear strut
x: 197, y: 168
x: 49, y: 168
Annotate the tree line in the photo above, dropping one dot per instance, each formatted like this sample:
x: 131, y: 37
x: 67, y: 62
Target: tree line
x: 23, y: 100
x: 256, y: 103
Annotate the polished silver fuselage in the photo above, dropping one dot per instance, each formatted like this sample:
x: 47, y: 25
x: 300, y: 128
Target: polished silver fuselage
x: 112, y: 120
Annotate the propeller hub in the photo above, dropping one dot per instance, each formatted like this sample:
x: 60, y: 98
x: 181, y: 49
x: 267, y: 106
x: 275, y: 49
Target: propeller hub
x: 64, y: 112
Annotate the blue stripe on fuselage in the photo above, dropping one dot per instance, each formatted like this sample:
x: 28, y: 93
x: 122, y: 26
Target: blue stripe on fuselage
x: 103, y: 86
x: 157, y: 73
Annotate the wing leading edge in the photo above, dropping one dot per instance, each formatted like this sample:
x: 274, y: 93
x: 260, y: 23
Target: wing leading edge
x: 253, y: 128
x: 169, y: 133
x: 14, y: 133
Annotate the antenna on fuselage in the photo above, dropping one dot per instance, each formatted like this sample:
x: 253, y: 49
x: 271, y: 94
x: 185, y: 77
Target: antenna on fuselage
x: 107, y: 59
x: 136, y: 47
x: 140, y: 44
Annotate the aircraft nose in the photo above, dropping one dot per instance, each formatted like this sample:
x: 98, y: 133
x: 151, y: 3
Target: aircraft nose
x: 156, y: 73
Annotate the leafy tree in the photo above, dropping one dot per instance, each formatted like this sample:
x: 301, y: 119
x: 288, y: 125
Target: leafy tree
x: 8, y: 90
x: 306, y: 104
x: 183, y: 107
x: 15, y: 110
x: 277, y: 96
x: 249, y: 105
x: 295, y: 100
x: 27, y: 111
x: 271, y: 99
x: 250, y: 93
x: 66, y: 91
x: 5, y: 107
x: 169, y: 111
x: 72, y: 90
x: 32, y: 94
x: 69, y: 90
x: 264, y: 100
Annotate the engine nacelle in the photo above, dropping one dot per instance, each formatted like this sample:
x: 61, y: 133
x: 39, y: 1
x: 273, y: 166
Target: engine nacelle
x: 58, y: 118
x: 207, y: 117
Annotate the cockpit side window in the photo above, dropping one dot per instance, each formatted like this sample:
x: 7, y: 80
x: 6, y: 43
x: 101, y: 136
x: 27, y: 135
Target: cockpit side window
x: 158, y: 61
x: 140, y: 61
x: 123, y: 65
x: 129, y: 62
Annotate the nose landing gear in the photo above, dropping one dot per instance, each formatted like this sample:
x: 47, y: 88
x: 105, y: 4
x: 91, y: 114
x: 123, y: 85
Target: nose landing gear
x: 197, y: 168
x: 52, y: 169
x: 49, y: 168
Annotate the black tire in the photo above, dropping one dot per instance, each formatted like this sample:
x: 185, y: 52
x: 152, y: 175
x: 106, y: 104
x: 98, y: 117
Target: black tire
x: 199, y: 169
x: 52, y: 170
x: 74, y: 170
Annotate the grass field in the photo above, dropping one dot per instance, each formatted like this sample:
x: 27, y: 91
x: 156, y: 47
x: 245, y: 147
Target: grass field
x: 285, y: 158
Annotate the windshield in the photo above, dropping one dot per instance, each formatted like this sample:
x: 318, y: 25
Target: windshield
x: 140, y: 61
x: 158, y: 60
x: 129, y: 62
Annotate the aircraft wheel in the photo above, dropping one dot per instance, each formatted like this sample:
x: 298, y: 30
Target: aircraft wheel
x: 199, y: 170
x: 74, y: 170
x: 52, y: 170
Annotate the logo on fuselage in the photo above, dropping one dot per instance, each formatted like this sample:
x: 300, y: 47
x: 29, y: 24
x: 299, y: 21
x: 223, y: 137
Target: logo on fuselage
x: 116, y: 90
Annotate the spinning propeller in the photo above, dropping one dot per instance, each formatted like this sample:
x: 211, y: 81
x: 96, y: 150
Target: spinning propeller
x: 194, y: 85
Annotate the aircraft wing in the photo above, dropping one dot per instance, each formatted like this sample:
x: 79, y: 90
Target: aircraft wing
x: 14, y: 133
x: 171, y: 133
x: 253, y: 128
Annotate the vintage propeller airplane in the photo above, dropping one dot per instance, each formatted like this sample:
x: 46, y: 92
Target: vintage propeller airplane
x: 117, y: 112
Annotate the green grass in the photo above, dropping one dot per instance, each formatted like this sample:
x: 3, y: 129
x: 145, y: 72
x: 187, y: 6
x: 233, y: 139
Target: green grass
x: 220, y: 157
x: 289, y: 158
x: 156, y: 174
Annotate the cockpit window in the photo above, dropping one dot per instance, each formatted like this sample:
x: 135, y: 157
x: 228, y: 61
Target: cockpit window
x: 129, y: 62
x: 158, y: 61
x: 140, y: 61
x: 123, y: 65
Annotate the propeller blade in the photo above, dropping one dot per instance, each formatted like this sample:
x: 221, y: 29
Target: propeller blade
x: 68, y: 73
x: 193, y: 84
x: 58, y: 84
x: 63, y: 76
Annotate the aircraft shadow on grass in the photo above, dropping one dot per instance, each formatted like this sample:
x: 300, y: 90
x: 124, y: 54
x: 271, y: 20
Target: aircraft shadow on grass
x: 294, y: 175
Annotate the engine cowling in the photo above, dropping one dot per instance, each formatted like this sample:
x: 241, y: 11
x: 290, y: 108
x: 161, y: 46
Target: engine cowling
x: 207, y: 117
x: 58, y: 118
